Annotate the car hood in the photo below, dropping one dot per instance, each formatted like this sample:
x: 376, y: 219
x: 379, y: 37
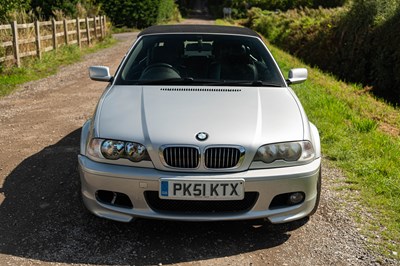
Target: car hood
x: 158, y: 115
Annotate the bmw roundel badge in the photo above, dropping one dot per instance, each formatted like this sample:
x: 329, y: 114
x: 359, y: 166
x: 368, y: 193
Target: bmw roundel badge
x: 202, y: 136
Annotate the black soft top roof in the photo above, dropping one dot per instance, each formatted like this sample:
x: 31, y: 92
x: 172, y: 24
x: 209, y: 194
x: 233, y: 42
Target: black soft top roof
x: 162, y: 29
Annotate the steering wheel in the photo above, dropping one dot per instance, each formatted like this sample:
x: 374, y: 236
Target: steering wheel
x: 159, y: 71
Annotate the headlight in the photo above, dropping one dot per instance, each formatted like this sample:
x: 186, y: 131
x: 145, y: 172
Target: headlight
x: 135, y: 152
x: 112, y: 149
x: 116, y: 149
x: 301, y: 151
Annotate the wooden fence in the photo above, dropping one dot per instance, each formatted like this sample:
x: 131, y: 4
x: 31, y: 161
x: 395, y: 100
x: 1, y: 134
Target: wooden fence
x: 32, y: 39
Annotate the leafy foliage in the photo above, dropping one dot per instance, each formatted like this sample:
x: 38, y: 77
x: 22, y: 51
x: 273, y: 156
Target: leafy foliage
x: 286, y: 4
x: 358, y: 43
x: 31, y: 10
x: 240, y: 7
x: 7, y: 6
x: 128, y: 13
x: 68, y: 7
x: 167, y: 10
x: 139, y: 13
x: 361, y: 136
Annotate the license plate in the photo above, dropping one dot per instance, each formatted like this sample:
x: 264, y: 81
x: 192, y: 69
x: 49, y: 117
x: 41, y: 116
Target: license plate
x: 202, y: 189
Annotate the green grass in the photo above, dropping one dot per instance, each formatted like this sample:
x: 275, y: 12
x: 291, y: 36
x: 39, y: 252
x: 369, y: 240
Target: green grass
x: 225, y: 22
x: 360, y: 135
x: 34, y: 69
x: 123, y: 29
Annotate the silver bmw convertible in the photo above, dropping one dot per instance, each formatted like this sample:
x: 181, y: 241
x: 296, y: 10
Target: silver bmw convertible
x: 199, y: 124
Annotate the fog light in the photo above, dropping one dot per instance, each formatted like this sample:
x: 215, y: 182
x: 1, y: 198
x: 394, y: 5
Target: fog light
x: 296, y: 198
x: 112, y: 198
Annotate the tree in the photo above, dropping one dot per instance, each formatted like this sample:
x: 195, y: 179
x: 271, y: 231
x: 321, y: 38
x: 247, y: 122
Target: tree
x: 137, y: 13
x: 68, y: 7
x: 7, y: 6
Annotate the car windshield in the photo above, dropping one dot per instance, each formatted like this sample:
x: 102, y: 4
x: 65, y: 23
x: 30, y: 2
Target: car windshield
x: 200, y: 59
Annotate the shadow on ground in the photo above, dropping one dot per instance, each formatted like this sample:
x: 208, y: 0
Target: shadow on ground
x: 43, y: 218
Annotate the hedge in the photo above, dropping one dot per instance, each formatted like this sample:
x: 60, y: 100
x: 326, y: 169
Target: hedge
x: 358, y: 43
x: 139, y: 13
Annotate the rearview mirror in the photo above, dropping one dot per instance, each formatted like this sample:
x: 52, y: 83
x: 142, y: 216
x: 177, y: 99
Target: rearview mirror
x: 100, y: 73
x: 297, y: 75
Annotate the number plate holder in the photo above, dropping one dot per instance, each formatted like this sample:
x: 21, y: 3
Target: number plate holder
x: 178, y: 189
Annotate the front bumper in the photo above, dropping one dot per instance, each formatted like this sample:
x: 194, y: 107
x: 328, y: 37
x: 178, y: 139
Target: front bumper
x: 133, y: 182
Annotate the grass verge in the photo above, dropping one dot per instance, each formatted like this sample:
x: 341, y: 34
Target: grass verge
x: 224, y: 22
x: 360, y: 135
x: 124, y: 29
x: 34, y: 69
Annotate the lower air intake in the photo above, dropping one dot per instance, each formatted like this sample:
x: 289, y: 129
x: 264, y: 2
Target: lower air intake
x: 200, y: 206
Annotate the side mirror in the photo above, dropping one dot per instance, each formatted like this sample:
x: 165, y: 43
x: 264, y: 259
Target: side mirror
x: 100, y: 73
x: 297, y: 75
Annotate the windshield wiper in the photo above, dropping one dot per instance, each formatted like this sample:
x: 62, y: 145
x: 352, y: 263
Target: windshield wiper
x: 171, y: 81
x: 244, y: 82
x: 207, y: 82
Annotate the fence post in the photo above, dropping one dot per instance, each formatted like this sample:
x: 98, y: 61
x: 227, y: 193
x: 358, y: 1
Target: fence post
x: 105, y: 26
x: 95, y: 27
x: 16, y: 44
x: 101, y: 27
x: 53, y: 22
x: 78, y: 32
x: 37, y: 31
x: 87, y: 30
x: 65, y: 31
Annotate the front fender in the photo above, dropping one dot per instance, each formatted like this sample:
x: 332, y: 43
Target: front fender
x: 84, y: 136
x: 316, y: 140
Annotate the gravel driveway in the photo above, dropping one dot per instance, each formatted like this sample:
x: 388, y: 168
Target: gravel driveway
x: 43, y: 221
